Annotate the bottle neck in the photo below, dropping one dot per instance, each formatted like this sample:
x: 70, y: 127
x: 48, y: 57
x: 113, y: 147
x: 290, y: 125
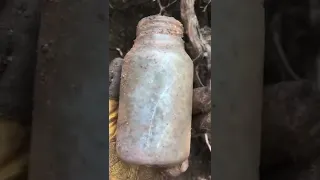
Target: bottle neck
x: 159, y: 30
x: 159, y: 40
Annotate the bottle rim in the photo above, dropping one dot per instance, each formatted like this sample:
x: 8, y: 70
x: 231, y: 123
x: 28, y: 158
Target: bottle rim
x: 158, y: 24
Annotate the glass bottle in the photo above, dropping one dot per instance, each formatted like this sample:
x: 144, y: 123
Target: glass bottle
x: 155, y: 105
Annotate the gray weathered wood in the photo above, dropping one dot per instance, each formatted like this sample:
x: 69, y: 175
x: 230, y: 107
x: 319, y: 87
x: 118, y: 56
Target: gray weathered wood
x: 237, y: 71
x: 70, y: 127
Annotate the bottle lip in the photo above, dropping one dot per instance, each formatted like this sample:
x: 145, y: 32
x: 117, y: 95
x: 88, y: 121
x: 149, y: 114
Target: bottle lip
x: 158, y: 24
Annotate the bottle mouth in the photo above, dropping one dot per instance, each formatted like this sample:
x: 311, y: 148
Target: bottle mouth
x: 157, y: 24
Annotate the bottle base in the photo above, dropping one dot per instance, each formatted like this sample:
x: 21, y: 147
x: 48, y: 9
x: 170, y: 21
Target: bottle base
x: 137, y: 157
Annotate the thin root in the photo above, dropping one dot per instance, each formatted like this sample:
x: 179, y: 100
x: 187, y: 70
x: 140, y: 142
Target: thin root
x: 198, y: 77
x: 110, y: 5
x: 198, y: 57
x: 283, y: 57
x: 207, y: 141
x: 206, y: 6
x: 163, y: 8
x: 120, y: 52
x: 275, y: 24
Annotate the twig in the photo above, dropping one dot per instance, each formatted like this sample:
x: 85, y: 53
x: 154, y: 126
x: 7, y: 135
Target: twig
x: 206, y: 6
x: 163, y: 8
x: 110, y: 5
x: 207, y: 141
x: 283, y: 57
x: 276, y: 40
x: 120, y: 52
x: 197, y: 58
x: 198, y: 77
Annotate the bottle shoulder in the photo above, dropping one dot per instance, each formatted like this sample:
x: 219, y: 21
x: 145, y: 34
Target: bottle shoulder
x: 174, y: 53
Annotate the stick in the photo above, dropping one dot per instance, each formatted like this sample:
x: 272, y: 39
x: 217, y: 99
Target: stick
x: 192, y: 28
x: 163, y: 8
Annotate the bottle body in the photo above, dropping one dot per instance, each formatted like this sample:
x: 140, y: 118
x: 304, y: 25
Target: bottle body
x: 155, y: 106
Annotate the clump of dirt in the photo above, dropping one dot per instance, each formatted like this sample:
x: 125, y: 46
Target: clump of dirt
x: 290, y: 128
x: 114, y: 77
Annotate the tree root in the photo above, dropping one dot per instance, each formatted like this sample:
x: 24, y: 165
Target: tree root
x: 199, y: 44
